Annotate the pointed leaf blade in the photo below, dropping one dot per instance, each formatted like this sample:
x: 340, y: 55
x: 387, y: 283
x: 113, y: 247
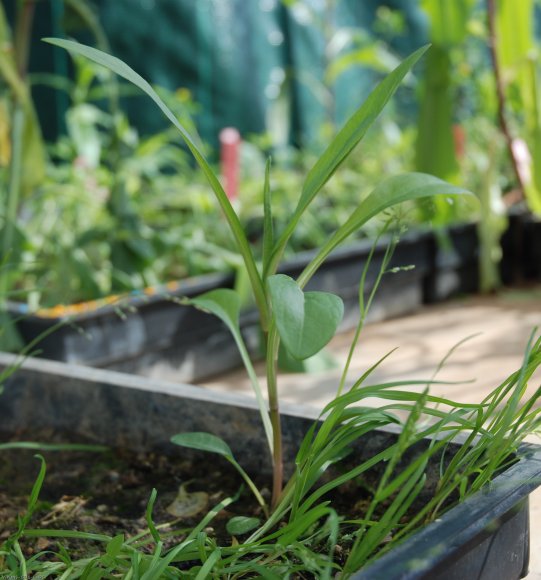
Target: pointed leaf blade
x: 343, y: 143
x: 203, y: 442
x: 390, y: 192
x: 223, y: 303
x: 355, y: 129
x: 268, y: 234
x: 123, y: 70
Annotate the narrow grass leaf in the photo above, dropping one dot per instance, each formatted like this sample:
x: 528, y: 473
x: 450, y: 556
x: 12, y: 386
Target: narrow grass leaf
x: 293, y: 531
x: 389, y: 192
x: 268, y: 228
x: 148, y: 516
x: 264, y: 572
x: 114, y: 547
x: 123, y: 70
x: 52, y: 533
x: 344, y: 142
x: 52, y: 446
x: 208, y: 566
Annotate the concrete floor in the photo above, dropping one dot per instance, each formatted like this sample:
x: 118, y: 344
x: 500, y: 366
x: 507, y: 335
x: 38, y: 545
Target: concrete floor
x: 498, y: 327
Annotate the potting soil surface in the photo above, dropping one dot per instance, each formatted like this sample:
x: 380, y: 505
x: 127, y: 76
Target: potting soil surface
x: 497, y: 329
x: 107, y: 491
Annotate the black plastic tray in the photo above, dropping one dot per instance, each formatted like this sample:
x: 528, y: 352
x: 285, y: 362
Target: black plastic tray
x: 486, y: 537
x: 157, y: 337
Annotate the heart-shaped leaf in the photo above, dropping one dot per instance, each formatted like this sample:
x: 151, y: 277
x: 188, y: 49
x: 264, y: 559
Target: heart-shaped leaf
x: 306, y: 321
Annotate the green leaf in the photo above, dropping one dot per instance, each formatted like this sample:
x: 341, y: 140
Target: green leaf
x: 343, y: 143
x: 148, y: 516
x: 95, y: 574
x: 268, y: 234
x: 114, y: 546
x: 208, y: 566
x: 241, y: 525
x: 213, y: 444
x: 203, y: 442
x: 123, y: 70
x: 321, y: 361
x: 390, y: 192
x: 306, y: 321
x: 223, y: 303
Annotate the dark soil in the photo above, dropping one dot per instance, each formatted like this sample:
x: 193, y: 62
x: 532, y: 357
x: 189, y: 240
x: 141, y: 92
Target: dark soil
x: 108, y: 492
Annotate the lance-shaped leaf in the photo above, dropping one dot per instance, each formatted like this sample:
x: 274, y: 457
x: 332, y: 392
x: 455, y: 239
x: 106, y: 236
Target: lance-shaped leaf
x: 212, y: 444
x: 342, y: 145
x: 389, y: 192
x: 123, y: 70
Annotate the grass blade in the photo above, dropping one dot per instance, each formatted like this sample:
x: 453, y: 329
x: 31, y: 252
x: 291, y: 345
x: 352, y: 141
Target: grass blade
x: 123, y: 70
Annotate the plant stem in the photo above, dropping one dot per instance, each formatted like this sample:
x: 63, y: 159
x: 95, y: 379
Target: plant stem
x: 9, y: 336
x: 500, y: 91
x: 267, y: 425
x: 364, y: 308
x: 12, y: 201
x: 273, y: 342
x: 23, y: 28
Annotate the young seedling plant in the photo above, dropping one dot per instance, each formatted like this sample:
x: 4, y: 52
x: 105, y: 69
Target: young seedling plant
x: 304, y: 322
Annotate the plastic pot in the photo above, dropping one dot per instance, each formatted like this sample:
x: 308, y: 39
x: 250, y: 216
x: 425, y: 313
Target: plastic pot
x: 148, y: 333
x: 485, y: 537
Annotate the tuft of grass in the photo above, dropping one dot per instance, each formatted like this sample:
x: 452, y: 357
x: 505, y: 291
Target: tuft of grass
x: 301, y: 535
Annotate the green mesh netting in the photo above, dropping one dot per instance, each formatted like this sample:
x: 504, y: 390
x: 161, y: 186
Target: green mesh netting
x: 253, y: 64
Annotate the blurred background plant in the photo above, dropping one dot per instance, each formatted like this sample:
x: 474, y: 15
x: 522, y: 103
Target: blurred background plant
x: 110, y: 204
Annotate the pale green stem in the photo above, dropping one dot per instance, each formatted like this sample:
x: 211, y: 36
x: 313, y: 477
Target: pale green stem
x: 273, y: 342
x: 251, y: 485
x: 365, y: 308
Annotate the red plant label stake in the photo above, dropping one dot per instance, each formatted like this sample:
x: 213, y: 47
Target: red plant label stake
x: 229, y: 157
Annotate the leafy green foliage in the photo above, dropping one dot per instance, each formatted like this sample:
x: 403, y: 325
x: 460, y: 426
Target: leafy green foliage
x: 212, y: 444
x: 390, y: 192
x: 301, y: 533
x: 204, y: 442
x: 342, y: 145
x: 129, y: 74
x: 241, y: 525
x: 300, y: 530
